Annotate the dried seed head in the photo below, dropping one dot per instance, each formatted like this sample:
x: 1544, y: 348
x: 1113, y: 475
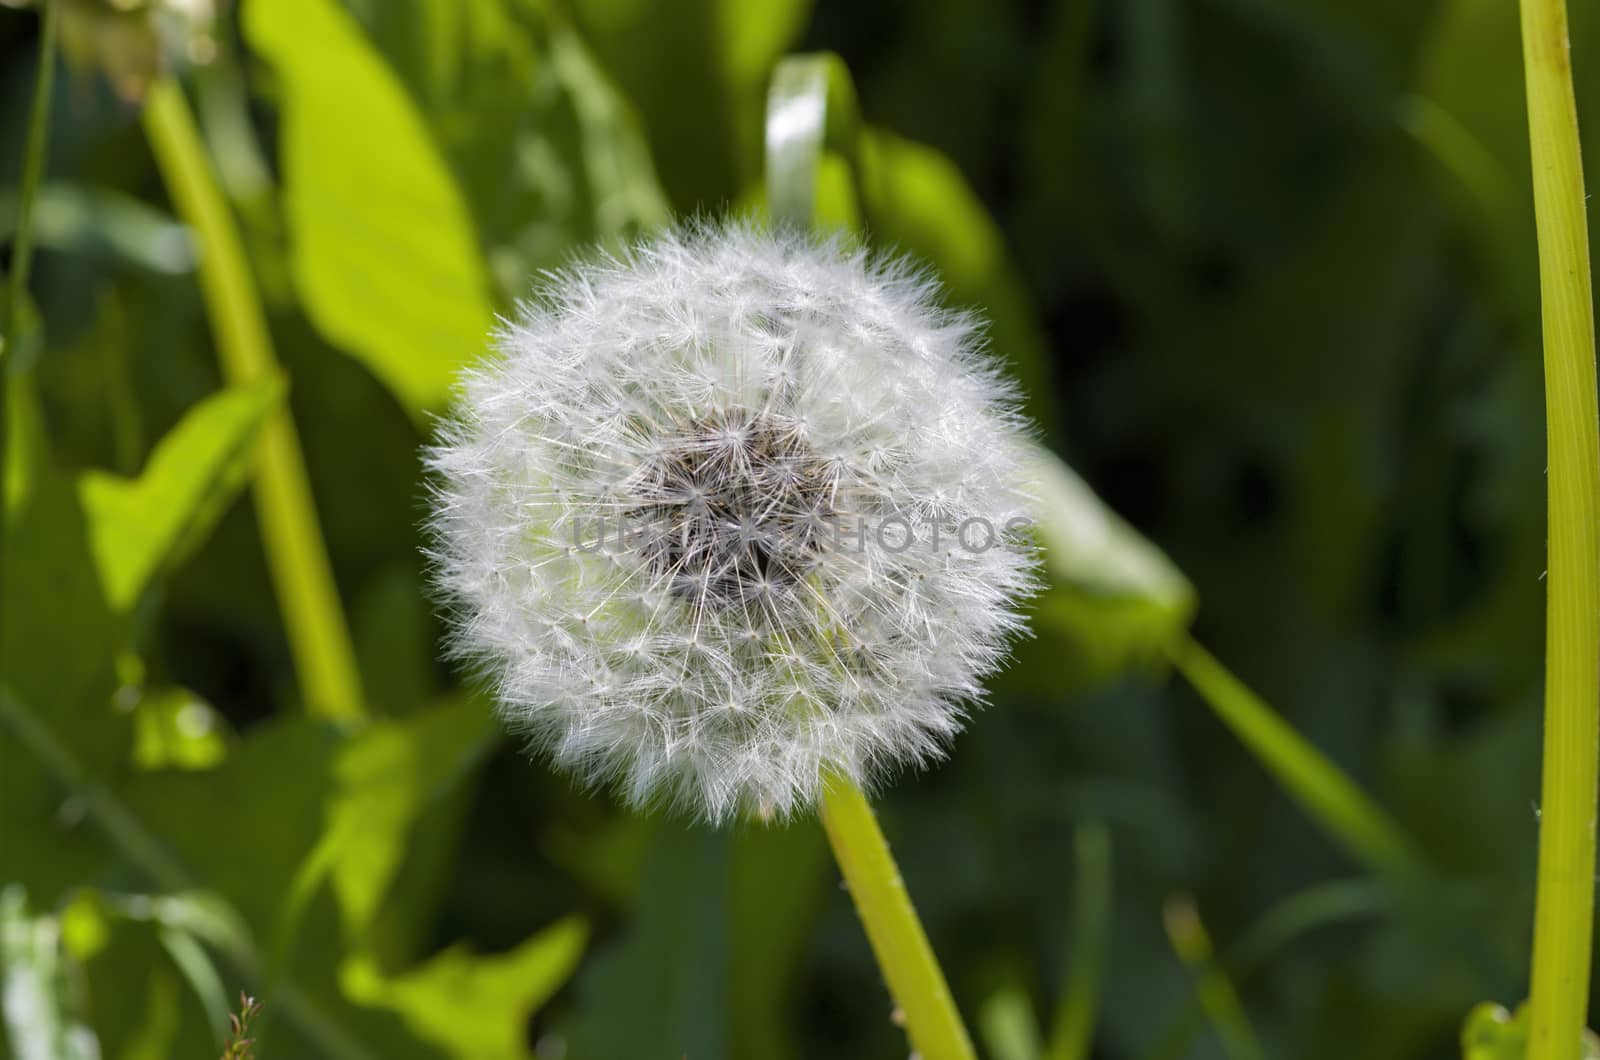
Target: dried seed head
x: 730, y: 511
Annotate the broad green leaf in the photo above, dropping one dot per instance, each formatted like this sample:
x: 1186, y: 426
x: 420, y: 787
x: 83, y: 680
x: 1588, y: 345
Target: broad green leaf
x: 1112, y: 594
x: 383, y: 249
x: 474, y: 1007
x: 140, y: 527
x: 549, y: 154
x: 384, y: 779
x: 42, y: 1017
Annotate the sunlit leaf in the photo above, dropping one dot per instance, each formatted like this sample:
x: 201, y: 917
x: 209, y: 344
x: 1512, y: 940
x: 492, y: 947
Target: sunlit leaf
x: 1112, y: 594
x: 475, y: 1007
x: 384, y: 253
x: 384, y: 779
x: 139, y: 527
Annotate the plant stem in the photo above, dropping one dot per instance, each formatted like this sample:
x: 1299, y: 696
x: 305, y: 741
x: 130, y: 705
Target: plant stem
x: 319, y: 637
x: 1331, y: 798
x: 898, y: 941
x: 22, y: 255
x: 1564, y: 902
x: 1192, y: 943
x: 1073, y: 1034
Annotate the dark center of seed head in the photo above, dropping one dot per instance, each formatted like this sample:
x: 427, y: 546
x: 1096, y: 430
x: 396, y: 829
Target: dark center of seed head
x: 732, y: 512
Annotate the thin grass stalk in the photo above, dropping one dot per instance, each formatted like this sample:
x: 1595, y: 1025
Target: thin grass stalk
x: 37, y: 146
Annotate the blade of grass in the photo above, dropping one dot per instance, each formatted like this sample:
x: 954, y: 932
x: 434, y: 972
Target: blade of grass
x: 1193, y: 946
x: 33, y: 157
x: 811, y: 107
x: 1564, y: 899
x: 313, y: 617
x: 1302, y: 913
x: 1073, y: 1034
x: 1332, y: 799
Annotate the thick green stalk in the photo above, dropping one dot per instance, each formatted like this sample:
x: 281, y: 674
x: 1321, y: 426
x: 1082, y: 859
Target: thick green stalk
x: 22, y: 251
x: 1564, y: 903
x: 811, y: 105
x: 313, y: 617
x: 897, y: 938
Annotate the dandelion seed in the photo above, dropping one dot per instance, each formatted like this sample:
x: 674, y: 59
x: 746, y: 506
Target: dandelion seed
x: 750, y: 410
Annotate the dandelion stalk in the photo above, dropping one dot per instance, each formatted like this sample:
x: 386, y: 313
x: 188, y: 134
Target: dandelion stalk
x: 1564, y: 902
x: 22, y: 253
x: 812, y: 104
x: 319, y: 637
x: 901, y: 946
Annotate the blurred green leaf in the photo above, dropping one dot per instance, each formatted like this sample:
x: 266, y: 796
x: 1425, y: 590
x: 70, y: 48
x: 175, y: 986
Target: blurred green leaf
x: 140, y: 527
x: 384, y: 779
x: 1110, y: 593
x: 42, y: 1017
x: 384, y: 253
x: 474, y: 1007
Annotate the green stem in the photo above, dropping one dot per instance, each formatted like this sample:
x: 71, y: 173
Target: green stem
x: 1564, y: 901
x: 897, y: 938
x: 1331, y: 798
x: 319, y: 637
x: 811, y: 106
x: 22, y: 251
x: 1073, y: 1035
x: 1192, y: 943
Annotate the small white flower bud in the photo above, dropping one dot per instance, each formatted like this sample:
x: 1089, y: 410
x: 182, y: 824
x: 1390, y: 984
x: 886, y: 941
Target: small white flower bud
x: 701, y: 519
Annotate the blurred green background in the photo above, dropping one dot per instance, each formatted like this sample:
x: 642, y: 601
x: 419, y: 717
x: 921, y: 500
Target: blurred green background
x: 1266, y: 270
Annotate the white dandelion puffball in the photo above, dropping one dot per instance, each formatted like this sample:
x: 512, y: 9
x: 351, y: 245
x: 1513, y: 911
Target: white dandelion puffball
x: 729, y: 512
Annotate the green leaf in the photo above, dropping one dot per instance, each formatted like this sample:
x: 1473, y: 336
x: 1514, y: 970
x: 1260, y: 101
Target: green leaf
x: 1110, y: 593
x: 474, y: 1007
x: 384, y: 779
x: 150, y: 524
x: 41, y: 1014
x: 383, y: 248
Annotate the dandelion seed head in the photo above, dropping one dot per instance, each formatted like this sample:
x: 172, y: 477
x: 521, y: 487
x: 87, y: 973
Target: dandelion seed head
x: 697, y: 519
